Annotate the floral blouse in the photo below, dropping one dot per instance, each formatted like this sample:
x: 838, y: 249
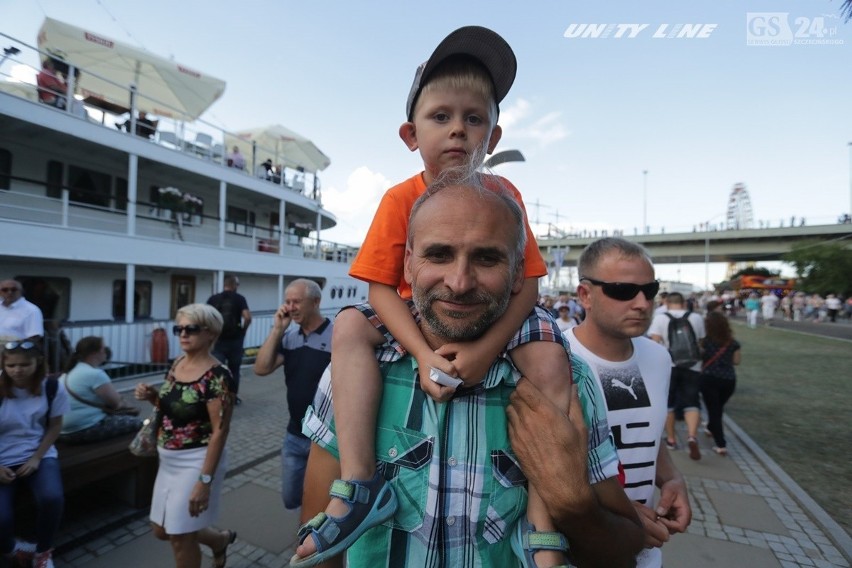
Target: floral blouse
x: 185, y: 422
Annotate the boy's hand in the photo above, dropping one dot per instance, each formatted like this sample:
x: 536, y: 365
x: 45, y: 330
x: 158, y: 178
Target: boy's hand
x: 471, y: 359
x: 430, y: 387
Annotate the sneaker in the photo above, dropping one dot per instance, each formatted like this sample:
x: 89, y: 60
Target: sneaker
x: 721, y: 451
x: 694, y: 451
x: 43, y: 559
x: 671, y: 444
x: 23, y: 552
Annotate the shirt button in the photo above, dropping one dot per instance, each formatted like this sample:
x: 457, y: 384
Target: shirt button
x: 452, y: 462
x: 451, y: 521
x: 392, y: 452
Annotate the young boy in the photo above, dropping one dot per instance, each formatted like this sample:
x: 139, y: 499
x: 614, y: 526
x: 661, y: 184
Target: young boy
x: 452, y: 113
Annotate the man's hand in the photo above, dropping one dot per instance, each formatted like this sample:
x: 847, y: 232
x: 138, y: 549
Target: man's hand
x: 656, y: 533
x: 551, y: 445
x: 438, y: 392
x: 673, y: 509
x: 281, y: 319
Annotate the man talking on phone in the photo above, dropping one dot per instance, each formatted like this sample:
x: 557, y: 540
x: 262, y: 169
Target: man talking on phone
x: 304, y: 350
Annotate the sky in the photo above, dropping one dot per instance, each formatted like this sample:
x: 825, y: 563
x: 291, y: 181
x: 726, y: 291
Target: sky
x: 591, y: 115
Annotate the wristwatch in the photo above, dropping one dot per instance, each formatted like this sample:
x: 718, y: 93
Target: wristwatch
x: 205, y: 479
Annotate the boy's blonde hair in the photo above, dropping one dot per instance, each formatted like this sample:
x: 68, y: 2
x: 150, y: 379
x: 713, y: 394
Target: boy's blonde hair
x: 462, y: 73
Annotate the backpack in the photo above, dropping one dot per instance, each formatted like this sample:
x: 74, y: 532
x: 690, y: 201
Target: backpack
x: 683, y: 346
x: 232, y: 315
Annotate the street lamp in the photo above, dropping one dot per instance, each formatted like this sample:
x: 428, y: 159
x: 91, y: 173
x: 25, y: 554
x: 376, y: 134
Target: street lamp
x: 503, y: 157
x: 707, y: 250
x: 644, y: 201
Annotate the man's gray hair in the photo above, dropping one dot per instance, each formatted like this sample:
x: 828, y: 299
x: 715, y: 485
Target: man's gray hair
x: 486, y: 185
x: 599, y: 249
x: 312, y: 289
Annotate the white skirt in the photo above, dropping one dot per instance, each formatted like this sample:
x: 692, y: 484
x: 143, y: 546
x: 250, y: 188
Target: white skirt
x: 176, y: 476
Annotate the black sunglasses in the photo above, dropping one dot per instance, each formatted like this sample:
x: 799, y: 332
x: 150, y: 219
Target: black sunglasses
x: 624, y: 292
x: 191, y: 329
x: 25, y: 345
x: 9, y: 289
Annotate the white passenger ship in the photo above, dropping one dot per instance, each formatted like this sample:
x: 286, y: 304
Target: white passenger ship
x: 111, y: 232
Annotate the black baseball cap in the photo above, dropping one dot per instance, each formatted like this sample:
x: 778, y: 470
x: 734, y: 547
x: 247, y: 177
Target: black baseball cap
x: 481, y: 44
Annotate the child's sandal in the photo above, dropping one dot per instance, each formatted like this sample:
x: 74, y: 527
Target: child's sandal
x: 526, y: 541
x: 370, y: 504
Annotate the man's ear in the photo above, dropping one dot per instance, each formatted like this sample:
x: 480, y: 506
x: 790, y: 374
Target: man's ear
x: 405, y: 262
x: 583, y: 295
x: 496, y: 134
x: 519, y: 277
x: 408, y: 133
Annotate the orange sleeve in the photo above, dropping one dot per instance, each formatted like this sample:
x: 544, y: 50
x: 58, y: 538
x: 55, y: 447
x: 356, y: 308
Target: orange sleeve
x: 534, y: 265
x: 381, y: 256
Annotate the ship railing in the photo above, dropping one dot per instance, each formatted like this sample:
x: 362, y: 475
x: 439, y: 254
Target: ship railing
x: 131, y: 345
x: 26, y: 202
x: 174, y: 129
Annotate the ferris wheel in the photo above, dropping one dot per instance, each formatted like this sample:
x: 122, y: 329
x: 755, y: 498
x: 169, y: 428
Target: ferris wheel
x: 739, y: 209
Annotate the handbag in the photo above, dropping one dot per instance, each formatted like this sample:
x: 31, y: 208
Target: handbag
x: 120, y: 411
x: 144, y: 444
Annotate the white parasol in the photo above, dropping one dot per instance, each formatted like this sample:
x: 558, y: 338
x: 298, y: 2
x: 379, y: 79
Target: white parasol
x: 281, y: 145
x: 177, y: 90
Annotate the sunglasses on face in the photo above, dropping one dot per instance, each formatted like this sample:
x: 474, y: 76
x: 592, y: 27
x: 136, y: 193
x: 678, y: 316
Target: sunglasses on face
x: 24, y: 345
x: 191, y: 329
x: 624, y: 292
x: 8, y: 290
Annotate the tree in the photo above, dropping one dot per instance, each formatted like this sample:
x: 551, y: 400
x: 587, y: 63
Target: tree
x: 824, y: 268
x: 846, y: 10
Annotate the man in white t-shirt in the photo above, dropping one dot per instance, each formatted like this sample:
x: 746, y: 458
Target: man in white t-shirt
x: 18, y: 317
x: 617, y: 289
x: 768, y: 304
x: 684, y: 385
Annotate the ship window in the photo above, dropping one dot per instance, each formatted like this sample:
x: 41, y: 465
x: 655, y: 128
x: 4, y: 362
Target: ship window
x: 87, y: 186
x: 141, y: 299
x: 5, y: 168
x: 54, y: 179
x: 52, y: 295
x: 239, y: 220
x: 120, y: 194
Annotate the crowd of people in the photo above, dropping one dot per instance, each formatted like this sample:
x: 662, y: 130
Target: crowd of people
x: 560, y: 411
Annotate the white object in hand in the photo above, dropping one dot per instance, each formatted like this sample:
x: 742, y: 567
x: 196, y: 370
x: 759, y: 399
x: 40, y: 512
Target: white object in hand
x: 443, y: 378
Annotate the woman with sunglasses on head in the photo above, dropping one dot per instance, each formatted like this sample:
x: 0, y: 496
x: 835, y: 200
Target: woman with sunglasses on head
x: 97, y: 410
x: 31, y: 410
x: 195, y: 401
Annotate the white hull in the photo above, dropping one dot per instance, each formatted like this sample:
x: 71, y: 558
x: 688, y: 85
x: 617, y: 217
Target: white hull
x: 80, y: 216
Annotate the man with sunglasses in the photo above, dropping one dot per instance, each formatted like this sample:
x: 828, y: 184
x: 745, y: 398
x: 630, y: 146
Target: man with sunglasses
x: 683, y: 390
x: 19, y: 317
x: 617, y: 290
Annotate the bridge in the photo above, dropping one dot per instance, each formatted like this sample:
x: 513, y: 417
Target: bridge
x: 726, y: 245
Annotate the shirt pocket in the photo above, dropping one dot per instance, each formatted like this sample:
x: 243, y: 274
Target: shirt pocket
x: 406, y: 455
x: 507, y: 499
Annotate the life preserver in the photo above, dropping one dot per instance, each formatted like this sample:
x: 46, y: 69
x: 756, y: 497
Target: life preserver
x: 159, y: 346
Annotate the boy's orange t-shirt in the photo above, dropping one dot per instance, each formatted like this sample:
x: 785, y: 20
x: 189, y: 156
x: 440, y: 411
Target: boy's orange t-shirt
x: 382, y: 255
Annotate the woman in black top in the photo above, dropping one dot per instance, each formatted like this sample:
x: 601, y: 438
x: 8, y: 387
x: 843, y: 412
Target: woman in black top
x: 718, y: 376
